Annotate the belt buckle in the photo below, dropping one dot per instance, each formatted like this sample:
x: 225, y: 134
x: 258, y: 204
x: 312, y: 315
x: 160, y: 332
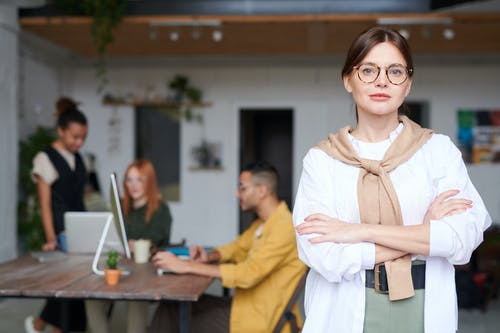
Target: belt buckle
x: 376, y: 283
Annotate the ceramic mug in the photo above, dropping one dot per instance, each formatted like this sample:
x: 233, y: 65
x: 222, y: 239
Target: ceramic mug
x: 141, y: 250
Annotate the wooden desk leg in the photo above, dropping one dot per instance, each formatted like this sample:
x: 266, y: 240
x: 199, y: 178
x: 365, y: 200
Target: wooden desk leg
x: 185, y: 314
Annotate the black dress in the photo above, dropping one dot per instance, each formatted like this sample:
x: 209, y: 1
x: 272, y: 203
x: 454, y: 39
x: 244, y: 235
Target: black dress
x: 66, y: 195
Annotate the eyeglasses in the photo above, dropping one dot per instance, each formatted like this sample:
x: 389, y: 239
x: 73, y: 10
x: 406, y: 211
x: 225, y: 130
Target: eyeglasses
x: 396, y: 73
x: 244, y: 187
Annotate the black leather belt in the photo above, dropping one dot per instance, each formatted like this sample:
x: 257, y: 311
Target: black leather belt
x: 417, y: 275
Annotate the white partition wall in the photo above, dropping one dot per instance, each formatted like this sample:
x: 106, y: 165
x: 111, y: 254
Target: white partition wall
x: 8, y: 130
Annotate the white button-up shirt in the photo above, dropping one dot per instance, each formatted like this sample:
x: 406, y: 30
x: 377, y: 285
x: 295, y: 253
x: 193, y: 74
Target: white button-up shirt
x: 335, y: 289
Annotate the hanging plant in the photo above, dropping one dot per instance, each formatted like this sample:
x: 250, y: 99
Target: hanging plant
x: 185, y: 98
x: 106, y: 16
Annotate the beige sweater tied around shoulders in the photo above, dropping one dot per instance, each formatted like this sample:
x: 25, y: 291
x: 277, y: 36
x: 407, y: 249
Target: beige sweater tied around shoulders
x: 377, y: 199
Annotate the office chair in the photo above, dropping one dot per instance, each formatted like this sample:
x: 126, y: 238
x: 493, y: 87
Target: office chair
x: 288, y: 315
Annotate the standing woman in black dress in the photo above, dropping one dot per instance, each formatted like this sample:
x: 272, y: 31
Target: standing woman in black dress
x: 61, y: 176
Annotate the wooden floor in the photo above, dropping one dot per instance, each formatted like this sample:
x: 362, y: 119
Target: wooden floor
x: 14, y: 310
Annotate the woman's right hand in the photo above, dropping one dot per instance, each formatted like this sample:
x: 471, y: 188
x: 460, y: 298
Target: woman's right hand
x: 49, y: 246
x: 444, y: 206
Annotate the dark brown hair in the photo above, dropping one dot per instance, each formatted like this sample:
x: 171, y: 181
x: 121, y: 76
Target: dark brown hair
x: 368, y: 39
x: 67, y: 112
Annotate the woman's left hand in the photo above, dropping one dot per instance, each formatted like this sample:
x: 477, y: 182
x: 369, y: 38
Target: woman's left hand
x: 329, y: 230
x: 170, y: 261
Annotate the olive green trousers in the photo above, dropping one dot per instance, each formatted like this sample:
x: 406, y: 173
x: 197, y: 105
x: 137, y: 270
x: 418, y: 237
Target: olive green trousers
x: 384, y: 316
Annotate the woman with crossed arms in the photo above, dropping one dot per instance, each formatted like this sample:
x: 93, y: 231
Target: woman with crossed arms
x: 384, y: 210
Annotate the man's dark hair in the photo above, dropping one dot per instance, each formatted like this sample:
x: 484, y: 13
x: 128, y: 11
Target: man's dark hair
x: 264, y: 173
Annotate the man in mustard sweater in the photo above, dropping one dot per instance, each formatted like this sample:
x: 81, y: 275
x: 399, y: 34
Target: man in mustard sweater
x: 261, y: 264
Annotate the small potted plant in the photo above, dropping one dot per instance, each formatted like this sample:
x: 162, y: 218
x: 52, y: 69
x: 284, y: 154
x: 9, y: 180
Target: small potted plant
x: 112, y: 273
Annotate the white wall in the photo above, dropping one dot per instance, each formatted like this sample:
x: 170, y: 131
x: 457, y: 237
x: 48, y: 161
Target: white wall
x: 39, y: 89
x: 456, y: 87
x: 208, y: 211
x: 8, y: 130
x: 42, y: 81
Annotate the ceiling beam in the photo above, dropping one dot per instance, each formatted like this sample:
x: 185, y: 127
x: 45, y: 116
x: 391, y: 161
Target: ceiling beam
x: 270, y: 34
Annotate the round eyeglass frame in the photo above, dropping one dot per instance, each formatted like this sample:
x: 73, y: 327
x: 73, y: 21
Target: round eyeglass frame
x: 407, y: 70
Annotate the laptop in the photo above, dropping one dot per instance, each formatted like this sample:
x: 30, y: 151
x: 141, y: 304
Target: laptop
x: 84, y: 230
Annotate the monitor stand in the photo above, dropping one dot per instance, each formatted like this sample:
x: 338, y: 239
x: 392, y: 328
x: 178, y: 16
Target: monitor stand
x: 100, y: 246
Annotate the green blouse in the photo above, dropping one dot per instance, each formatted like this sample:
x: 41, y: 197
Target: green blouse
x: 157, y: 229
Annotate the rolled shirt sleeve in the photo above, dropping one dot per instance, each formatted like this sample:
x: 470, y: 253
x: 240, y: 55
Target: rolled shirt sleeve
x: 237, y: 250
x: 457, y: 236
x: 43, y: 167
x: 233, y: 253
x: 260, y: 262
x: 255, y: 257
x: 334, y: 261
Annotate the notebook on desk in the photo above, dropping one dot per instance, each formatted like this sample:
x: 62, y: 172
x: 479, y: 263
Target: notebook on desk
x: 180, y: 251
x: 183, y: 251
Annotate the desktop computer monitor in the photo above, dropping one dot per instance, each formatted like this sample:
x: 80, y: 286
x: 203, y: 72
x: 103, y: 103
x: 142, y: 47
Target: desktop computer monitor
x: 116, y: 209
x: 118, y: 222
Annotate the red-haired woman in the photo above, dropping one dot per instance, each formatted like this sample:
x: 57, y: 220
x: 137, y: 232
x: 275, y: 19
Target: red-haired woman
x: 146, y: 217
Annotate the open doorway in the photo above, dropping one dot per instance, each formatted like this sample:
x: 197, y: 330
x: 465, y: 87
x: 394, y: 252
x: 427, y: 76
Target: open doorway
x: 419, y: 113
x: 158, y: 139
x: 266, y: 134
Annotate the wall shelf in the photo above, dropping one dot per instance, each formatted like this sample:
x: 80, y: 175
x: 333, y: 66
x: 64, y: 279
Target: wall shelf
x: 169, y: 105
x: 200, y: 168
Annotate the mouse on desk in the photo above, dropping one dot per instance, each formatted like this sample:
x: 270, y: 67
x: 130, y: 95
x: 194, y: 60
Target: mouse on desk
x: 161, y: 271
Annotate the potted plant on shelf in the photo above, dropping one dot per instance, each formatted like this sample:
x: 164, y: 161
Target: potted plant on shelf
x: 185, y: 98
x: 112, y: 273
